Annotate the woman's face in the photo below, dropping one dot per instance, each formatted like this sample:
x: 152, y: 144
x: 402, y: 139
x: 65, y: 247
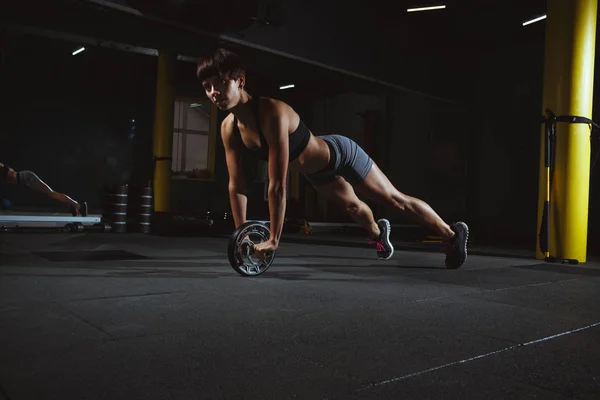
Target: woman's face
x: 225, y: 93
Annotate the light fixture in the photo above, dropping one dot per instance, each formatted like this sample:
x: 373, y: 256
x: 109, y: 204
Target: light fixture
x: 534, y: 20
x: 79, y: 51
x: 286, y: 87
x: 426, y: 8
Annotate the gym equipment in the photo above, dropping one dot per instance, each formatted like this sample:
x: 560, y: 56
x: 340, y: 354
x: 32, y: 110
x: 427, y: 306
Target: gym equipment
x: 78, y: 227
x: 145, y: 212
x: 25, y: 221
x: 115, y: 207
x: 549, y: 155
x: 241, y: 248
x: 130, y: 208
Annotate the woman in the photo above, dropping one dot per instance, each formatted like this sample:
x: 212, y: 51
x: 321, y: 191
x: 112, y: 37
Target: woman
x: 33, y: 182
x: 335, y: 165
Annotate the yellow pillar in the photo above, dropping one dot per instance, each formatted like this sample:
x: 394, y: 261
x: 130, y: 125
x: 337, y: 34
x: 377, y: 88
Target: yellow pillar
x: 568, y: 90
x: 163, y: 132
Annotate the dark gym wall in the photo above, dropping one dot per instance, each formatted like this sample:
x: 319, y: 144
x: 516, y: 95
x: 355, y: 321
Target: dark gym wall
x: 65, y: 119
x: 104, y: 109
x: 68, y: 118
x: 505, y: 163
x: 506, y: 147
x: 505, y: 152
x: 72, y: 116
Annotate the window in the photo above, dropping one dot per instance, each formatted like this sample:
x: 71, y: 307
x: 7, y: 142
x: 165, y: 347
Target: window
x: 194, y: 132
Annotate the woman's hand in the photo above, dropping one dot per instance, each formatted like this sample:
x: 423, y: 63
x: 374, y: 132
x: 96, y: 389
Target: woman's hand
x: 263, y: 248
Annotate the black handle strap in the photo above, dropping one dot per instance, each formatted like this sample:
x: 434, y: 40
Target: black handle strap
x: 572, y: 119
x: 550, y: 150
x: 551, y: 119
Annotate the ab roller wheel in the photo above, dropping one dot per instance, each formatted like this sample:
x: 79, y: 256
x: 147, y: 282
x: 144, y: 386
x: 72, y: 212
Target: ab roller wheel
x: 241, y: 249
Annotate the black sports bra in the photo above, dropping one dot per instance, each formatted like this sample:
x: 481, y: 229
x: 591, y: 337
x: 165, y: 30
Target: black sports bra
x: 298, y: 139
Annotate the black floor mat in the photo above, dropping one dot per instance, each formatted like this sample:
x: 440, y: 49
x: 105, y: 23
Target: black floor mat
x: 100, y: 255
x: 580, y: 270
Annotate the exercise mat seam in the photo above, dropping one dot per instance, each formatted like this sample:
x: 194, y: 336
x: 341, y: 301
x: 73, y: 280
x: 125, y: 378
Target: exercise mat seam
x: 484, y: 355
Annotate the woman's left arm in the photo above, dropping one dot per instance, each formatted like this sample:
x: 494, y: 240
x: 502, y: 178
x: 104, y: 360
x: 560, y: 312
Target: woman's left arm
x: 277, y: 136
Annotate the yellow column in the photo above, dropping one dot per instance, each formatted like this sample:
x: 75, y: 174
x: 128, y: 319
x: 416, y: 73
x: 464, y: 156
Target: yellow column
x: 163, y: 132
x: 568, y: 90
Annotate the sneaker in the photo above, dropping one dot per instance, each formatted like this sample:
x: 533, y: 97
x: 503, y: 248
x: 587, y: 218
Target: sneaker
x: 385, y: 250
x: 456, y: 250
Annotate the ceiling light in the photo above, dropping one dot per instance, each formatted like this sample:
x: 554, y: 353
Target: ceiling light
x: 534, y: 20
x: 425, y: 8
x: 79, y: 51
x: 286, y: 87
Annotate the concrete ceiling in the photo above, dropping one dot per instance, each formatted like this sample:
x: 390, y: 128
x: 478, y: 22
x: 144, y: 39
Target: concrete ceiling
x: 462, y: 23
x: 322, y: 44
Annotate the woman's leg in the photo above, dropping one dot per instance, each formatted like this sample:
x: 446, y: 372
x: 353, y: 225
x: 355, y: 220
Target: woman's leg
x: 377, y: 187
x: 341, y: 193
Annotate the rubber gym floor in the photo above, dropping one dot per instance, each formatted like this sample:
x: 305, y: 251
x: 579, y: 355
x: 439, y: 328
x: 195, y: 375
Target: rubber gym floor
x: 132, y: 316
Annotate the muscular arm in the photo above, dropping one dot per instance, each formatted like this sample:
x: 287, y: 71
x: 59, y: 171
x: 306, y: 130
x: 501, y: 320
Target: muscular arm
x: 237, y: 183
x: 276, y: 134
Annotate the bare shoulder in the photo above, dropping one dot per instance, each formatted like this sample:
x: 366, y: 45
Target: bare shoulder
x: 227, y: 126
x: 227, y: 130
x: 274, y: 108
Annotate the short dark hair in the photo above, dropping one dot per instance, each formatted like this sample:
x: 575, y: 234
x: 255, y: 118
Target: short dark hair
x: 222, y: 63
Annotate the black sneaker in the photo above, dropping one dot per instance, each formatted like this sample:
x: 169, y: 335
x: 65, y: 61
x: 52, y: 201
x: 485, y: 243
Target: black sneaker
x: 385, y: 250
x: 456, y: 250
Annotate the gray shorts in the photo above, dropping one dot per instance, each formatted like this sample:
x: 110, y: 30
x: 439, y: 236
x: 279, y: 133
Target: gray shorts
x: 347, y: 160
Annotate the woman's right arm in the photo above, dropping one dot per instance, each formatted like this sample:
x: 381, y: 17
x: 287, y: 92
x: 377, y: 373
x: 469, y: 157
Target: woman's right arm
x: 237, y: 183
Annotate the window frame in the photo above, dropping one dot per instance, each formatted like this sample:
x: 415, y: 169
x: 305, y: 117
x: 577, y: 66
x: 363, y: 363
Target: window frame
x: 212, y: 136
